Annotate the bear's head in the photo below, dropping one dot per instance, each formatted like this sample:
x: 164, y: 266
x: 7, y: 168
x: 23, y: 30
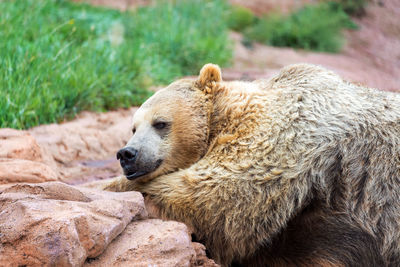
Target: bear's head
x: 171, y: 129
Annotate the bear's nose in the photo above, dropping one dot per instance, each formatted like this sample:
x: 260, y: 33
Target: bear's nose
x: 127, y: 153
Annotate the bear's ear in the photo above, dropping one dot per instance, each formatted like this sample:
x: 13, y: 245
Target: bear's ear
x: 209, y: 75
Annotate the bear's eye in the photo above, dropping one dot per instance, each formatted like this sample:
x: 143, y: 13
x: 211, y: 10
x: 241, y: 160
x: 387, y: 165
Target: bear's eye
x: 160, y: 125
x: 134, y: 130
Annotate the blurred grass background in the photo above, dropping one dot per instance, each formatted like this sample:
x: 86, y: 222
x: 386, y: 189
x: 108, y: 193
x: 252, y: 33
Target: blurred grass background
x: 315, y: 27
x: 58, y: 58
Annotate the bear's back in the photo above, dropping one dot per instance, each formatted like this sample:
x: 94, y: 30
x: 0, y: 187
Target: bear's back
x: 309, y: 124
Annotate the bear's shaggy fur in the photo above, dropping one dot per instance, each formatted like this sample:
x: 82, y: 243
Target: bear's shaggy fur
x: 302, y: 169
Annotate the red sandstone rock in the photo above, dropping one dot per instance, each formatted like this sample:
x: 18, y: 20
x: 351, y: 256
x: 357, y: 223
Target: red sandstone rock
x: 23, y: 160
x: 90, y: 136
x: 25, y: 171
x: 53, y: 224
x: 18, y: 145
x: 85, y: 148
x: 153, y: 242
x: 201, y: 257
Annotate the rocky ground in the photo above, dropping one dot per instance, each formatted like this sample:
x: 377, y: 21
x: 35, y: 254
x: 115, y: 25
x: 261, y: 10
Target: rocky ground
x: 54, y: 224
x: 46, y: 222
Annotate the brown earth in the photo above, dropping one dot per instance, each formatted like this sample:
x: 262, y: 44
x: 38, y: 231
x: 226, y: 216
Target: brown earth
x: 371, y: 56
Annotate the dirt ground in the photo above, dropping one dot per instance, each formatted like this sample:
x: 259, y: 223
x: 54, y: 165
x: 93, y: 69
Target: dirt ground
x: 370, y: 57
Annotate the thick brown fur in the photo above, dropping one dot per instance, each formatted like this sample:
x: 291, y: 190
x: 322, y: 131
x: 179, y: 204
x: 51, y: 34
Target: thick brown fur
x: 302, y: 169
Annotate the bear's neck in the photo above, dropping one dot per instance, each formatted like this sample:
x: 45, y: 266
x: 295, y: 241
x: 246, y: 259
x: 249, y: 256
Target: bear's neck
x: 229, y: 102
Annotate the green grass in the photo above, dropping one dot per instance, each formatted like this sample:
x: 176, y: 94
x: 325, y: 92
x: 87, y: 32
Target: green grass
x: 314, y: 27
x: 239, y: 18
x: 58, y: 58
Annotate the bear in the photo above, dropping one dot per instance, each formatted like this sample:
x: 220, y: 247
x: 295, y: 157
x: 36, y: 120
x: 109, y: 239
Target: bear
x: 301, y: 169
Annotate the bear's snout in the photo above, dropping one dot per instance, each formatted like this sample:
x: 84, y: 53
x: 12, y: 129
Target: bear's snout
x: 127, y: 155
x: 132, y: 165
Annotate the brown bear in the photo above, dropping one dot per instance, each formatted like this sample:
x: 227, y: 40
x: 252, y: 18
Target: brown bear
x: 302, y: 169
